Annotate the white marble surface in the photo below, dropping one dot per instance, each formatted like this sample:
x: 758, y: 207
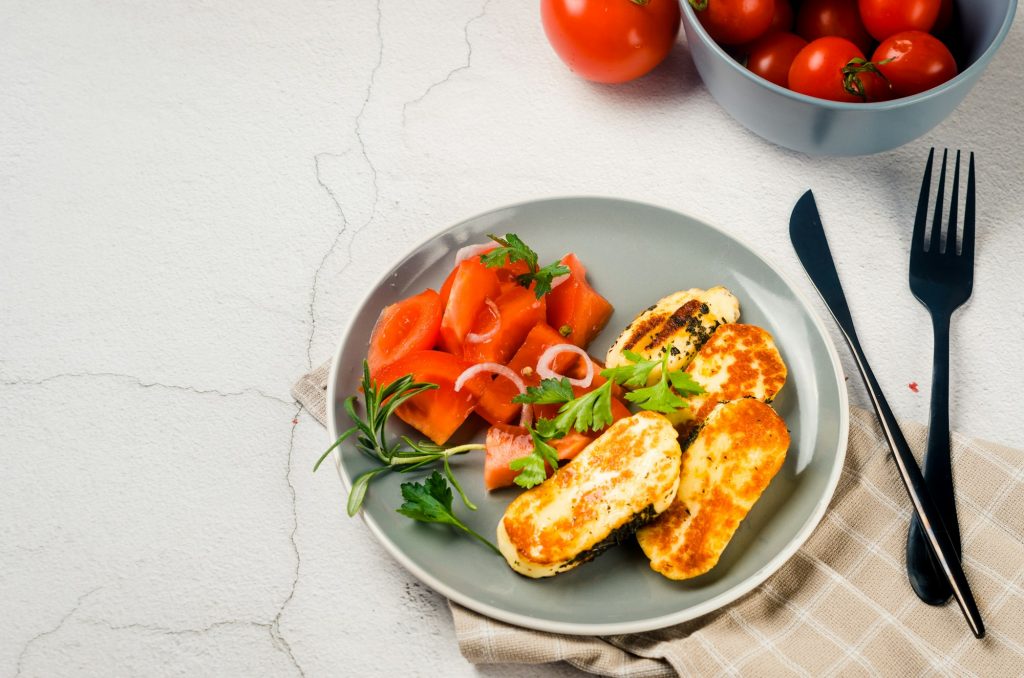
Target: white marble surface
x: 193, y: 198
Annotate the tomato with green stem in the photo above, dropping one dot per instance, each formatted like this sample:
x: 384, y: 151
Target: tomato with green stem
x: 611, y: 40
x: 835, y: 69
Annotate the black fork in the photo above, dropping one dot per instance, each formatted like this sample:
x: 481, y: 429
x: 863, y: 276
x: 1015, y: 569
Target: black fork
x: 942, y: 279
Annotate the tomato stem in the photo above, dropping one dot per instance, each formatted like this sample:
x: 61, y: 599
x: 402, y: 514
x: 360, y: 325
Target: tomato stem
x: 699, y: 5
x: 640, y: 2
x: 852, y: 72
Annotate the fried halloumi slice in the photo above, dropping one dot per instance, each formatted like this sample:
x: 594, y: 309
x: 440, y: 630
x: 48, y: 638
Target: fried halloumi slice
x: 679, y: 323
x: 730, y: 462
x: 620, y: 481
x: 738, y: 361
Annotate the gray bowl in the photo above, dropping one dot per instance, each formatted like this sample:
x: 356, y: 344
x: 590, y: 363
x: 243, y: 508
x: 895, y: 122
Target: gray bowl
x: 821, y: 127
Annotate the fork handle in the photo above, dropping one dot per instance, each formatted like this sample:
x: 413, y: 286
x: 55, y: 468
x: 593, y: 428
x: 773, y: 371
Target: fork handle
x: 926, y: 577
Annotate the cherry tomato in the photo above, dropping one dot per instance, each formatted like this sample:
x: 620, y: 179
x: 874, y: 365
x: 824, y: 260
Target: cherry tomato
x: 773, y: 54
x: 818, y: 71
x: 945, y: 16
x: 914, y: 62
x: 841, y: 18
x: 782, y: 18
x: 733, y: 22
x: 883, y: 18
x: 409, y: 325
x: 611, y: 40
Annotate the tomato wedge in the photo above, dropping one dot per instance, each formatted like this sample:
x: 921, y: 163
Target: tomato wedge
x: 575, y: 308
x: 472, y: 285
x: 408, y: 325
x: 497, y: 336
x: 507, y: 443
x: 495, y: 400
x: 438, y: 413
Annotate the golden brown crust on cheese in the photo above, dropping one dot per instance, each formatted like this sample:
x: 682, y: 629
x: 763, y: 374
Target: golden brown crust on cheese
x: 738, y: 361
x: 632, y: 469
x: 724, y: 471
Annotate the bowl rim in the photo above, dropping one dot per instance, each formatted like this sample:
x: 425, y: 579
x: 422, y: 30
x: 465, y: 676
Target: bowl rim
x: 690, y: 18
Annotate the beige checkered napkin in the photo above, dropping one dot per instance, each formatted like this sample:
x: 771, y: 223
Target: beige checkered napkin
x: 842, y: 605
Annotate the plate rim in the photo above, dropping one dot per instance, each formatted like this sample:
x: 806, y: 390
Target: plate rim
x: 607, y: 628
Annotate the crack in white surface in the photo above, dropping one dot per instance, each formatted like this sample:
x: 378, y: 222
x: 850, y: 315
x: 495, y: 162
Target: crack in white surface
x: 275, y: 626
x: 63, y: 620
x: 457, y: 69
x: 338, y: 203
x: 138, y: 381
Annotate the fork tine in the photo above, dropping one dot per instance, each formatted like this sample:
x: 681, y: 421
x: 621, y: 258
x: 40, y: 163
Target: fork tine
x: 967, y: 250
x: 933, y: 248
x: 953, y: 201
x: 917, y: 243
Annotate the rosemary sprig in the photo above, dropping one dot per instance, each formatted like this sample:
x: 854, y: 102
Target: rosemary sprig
x: 402, y: 455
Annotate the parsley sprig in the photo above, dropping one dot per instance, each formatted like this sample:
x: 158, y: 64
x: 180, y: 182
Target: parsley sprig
x: 592, y: 411
x: 511, y: 249
x: 431, y: 502
x: 402, y: 455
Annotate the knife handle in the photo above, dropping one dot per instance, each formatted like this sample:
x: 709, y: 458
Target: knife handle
x: 927, y: 513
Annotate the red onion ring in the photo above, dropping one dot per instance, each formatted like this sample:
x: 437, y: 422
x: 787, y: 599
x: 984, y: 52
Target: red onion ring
x: 526, y: 417
x: 473, y: 250
x: 475, y: 338
x: 548, y: 356
x: 558, y: 280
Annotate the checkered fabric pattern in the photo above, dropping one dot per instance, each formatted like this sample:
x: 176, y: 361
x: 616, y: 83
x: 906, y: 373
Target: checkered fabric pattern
x: 842, y: 605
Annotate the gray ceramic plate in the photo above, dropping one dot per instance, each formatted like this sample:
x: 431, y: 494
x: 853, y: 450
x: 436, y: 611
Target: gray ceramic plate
x: 635, y: 254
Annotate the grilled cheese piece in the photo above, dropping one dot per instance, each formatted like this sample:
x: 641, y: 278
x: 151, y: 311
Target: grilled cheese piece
x: 618, y: 482
x: 730, y: 462
x: 738, y: 361
x: 679, y: 323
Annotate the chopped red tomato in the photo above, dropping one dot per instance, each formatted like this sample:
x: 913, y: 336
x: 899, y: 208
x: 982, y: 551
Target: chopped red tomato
x: 495, y: 403
x: 497, y: 336
x: 472, y: 285
x: 409, y: 325
x: 574, y: 308
x: 439, y: 412
x: 504, y: 445
x: 507, y: 443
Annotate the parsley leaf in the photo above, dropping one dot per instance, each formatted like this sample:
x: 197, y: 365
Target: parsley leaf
x: 531, y: 468
x: 550, y: 391
x: 631, y: 376
x: 512, y: 249
x: 431, y: 502
x: 543, y: 277
x: 659, y: 397
x: 590, y: 411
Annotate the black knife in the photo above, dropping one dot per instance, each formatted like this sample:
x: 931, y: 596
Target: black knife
x: 808, y: 237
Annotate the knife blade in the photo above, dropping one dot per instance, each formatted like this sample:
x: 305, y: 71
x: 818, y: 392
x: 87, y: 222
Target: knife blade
x: 808, y: 237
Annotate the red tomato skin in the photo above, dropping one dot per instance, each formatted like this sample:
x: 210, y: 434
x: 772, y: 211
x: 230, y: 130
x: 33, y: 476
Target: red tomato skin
x: 405, y: 326
x: 919, y: 62
x: 945, y: 17
x: 840, y: 18
x: 817, y: 69
x: 884, y: 18
x: 472, y: 284
x: 771, y: 56
x: 519, y: 310
x: 576, y: 306
x: 495, y: 400
x: 782, y: 18
x: 437, y: 413
x: 734, y: 22
x: 610, y: 41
